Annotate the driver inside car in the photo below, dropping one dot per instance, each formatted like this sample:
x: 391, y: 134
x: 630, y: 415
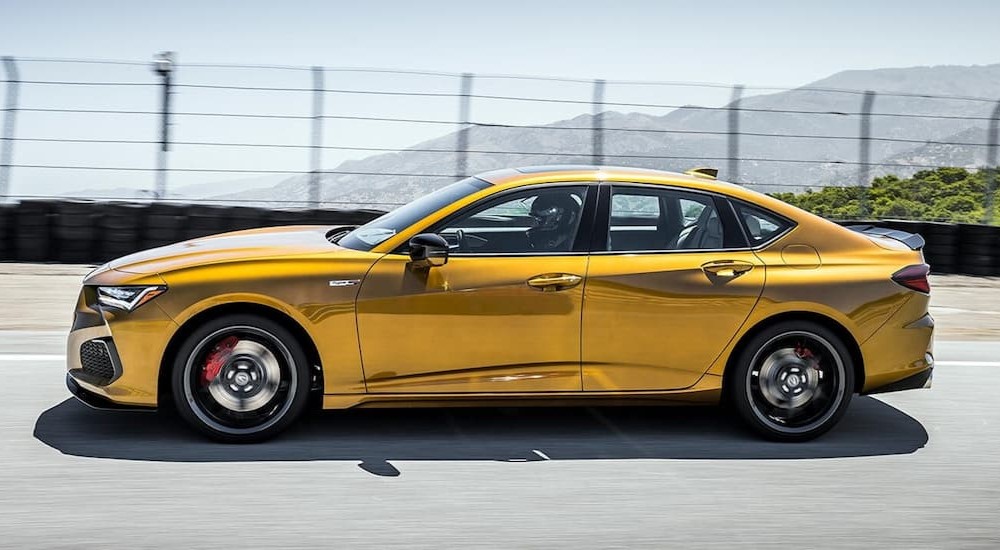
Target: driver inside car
x: 554, y: 219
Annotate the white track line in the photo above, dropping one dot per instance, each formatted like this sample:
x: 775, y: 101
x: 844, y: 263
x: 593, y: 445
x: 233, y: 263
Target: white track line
x: 12, y: 357
x: 967, y: 363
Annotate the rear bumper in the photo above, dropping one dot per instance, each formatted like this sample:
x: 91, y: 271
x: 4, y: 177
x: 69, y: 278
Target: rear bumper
x: 902, y: 349
x: 913, y: 382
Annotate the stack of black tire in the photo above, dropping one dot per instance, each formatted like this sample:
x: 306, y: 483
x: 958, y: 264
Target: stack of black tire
x: 276, y: 218
x: 94, y: 232
x: 6, y: 231
x: 33, y: 232
x: 942, y: 249
x: 205, y: 220
x: 979, y: 249
x: 244, y: 217
x: 76, y: 232
x: 120, y: 229
x: 163, y: 224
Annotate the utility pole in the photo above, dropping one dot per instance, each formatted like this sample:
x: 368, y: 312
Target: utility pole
x: 865, y: 151
x: 316, y: 149
x: 163, y: 65
x: 734, y: 134
x: 597, y: 110
x: 992, y: 170
x: 9, y: 120
x: 464, y: 109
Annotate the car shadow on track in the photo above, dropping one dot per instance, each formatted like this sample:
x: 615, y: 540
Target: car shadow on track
x: 373, y: 437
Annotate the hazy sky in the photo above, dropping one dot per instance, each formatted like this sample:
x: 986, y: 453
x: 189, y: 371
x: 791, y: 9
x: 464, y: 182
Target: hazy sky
x: 760, y: 41
x: 753, y: 42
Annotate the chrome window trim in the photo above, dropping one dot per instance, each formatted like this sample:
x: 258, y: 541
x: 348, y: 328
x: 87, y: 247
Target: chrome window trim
x: 676, y: 251
x: 499, y: 254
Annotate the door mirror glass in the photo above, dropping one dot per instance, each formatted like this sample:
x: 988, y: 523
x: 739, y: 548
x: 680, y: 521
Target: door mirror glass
x: 428, y: 250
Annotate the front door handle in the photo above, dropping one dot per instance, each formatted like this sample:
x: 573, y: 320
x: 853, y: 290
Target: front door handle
x: 554, y: 281
x: 726, y: 268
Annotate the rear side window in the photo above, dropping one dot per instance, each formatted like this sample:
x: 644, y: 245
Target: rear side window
x: 760, y: 225
x: 652, y: 219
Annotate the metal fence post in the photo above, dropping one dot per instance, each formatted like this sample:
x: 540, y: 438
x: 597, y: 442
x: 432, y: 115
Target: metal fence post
x: 316, y: 148
x: 734, y: 134
x: 464, y: 107
x: 163, y: 65
x: 865, y: 151
x: 993, y: 171
x: 9, y: 121
x: 597, y: 148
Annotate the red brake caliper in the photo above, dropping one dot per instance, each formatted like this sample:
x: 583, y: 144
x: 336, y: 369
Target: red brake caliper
x: 216, y: 358
x: 805, y: 353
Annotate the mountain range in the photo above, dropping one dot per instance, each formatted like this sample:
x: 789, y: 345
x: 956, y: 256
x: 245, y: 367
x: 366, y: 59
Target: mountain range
x: 674, y: 141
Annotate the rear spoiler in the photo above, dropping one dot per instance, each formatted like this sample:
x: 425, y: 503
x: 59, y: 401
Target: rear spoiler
x: 912, y: 240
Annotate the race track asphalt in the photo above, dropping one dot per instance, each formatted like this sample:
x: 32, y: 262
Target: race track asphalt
x: 917, y: 469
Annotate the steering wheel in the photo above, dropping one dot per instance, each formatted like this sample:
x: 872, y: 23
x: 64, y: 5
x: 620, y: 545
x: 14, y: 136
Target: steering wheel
x: 460, y: 240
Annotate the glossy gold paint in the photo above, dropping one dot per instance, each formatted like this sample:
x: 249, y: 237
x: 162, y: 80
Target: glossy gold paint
x: 472, y: 325
x: 657, y: 321
x: 635, y: 326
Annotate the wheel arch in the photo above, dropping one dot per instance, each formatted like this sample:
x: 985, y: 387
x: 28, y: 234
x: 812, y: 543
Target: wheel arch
x: 845, y: 335
x: 247, y: 308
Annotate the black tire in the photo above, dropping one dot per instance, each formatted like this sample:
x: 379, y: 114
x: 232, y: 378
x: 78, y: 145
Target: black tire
x: 212, y: 406
x: 757, y: 396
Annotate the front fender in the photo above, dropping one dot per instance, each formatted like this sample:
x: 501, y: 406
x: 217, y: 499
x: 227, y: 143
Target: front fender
x: 299, y: 290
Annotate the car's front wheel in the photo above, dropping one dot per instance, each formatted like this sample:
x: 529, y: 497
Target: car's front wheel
x: 793, y: 381
x: 240, y: 378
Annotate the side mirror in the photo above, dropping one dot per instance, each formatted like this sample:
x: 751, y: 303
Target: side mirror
x: 428, y: 250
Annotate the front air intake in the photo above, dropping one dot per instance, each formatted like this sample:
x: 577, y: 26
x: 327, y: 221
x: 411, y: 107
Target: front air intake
x: 95, y: 358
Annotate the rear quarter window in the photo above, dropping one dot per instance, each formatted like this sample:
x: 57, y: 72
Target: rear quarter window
x: 760, y: 225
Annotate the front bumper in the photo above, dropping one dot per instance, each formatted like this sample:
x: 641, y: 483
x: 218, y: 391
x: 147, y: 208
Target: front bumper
x: 113, y: 357
x: 96, y: 401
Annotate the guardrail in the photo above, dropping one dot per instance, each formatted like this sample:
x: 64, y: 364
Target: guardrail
x: 95, y: 232
x: 91, y: 232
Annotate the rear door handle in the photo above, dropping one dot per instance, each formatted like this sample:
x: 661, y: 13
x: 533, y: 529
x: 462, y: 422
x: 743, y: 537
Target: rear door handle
x: 726, y: 268
x: 554, y: 281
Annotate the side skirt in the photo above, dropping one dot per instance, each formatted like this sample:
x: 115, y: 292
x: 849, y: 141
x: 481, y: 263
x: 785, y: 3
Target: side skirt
x: 706, y: 396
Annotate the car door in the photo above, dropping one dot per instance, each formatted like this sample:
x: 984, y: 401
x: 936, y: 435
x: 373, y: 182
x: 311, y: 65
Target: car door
x: 501, y: 316
x: 670, y: 282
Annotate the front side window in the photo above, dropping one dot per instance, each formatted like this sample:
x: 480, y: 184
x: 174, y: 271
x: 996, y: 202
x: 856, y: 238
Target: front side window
x: 375, y: 232
x: 760, y: 225
x: 644, y: 219
x: 539, y: 220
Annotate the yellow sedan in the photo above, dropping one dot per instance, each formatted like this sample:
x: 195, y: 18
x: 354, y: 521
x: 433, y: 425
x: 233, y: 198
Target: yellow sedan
x: 550, y: 285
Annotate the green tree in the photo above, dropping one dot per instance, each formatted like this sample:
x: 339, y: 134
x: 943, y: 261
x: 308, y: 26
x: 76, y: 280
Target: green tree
x: 944, y: 194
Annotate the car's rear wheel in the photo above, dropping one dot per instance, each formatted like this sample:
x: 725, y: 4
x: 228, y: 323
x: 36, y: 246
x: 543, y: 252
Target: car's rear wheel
x: 793, y: 381
x: 240, y: 378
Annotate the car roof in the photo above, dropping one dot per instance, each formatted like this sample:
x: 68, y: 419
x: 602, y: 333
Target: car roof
x: 512, y: 177
x: 586, y: 172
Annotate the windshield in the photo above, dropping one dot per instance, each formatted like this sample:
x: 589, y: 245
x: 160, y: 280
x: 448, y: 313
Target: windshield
x: 378, y: 230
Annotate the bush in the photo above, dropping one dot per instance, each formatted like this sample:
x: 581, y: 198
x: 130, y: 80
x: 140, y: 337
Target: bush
x: 944, y: 194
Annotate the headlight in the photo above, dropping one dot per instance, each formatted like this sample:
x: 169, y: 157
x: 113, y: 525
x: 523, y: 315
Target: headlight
x: 127, y: 297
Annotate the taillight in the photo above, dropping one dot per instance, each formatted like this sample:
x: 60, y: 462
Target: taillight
x: 914, y: 277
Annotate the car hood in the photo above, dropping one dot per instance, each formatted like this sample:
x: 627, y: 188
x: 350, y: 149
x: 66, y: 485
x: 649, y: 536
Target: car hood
x: 239, y: 245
